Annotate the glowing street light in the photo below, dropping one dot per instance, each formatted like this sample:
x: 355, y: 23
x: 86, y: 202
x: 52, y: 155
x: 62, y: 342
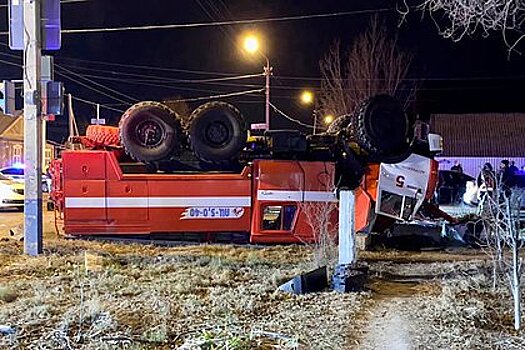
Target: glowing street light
x: 251, y: 45
x: 328, y: 119
x: 307, y: 97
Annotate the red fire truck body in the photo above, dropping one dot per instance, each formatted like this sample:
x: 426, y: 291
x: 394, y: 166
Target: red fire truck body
x: 268, y: 200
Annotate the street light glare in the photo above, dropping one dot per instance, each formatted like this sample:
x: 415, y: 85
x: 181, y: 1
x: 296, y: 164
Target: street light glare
x: 307, y: 97
x: 251, y: 44
x: 328, y: 119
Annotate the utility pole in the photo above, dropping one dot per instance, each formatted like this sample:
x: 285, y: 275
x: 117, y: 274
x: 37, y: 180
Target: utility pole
x: 32, y: 128
x: 267, y: 73
x: 98, y: 114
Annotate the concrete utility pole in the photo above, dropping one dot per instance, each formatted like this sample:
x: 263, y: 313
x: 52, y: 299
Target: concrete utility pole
x: 32, y: 128
x: 267, y: 73
x: 346, y: 227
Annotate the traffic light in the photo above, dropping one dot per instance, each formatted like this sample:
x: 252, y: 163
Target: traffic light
x: 7, y: 97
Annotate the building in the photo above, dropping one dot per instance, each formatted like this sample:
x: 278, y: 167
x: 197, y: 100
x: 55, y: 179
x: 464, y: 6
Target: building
x: 476, y: 138
x: 12, y: 142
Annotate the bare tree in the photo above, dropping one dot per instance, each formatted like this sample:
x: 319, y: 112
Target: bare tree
x: 468, y: 17
x: 505, y: 238
x: 373, y: 64
x: 320, y: 218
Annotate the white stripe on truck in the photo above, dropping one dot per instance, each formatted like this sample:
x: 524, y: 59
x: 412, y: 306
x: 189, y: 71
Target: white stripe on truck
x: 156, y: 202
x: 296, y: 196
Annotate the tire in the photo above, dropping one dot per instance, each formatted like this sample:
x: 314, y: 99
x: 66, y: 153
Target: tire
x: 151, y: 132
x: 217, y: 133
x: 381, y: 128
x: 103, y: 136
x: 341, y: 123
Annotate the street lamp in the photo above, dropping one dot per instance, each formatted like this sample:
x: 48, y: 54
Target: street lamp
x: 328, y: 119
x: 307, y: 97
x: 251, y: 45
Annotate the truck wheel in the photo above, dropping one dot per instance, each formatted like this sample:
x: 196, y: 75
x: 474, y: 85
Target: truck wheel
x: 151, y: 132
x: 103, y: 136
x: 381, y: 128
x: 217, y: 133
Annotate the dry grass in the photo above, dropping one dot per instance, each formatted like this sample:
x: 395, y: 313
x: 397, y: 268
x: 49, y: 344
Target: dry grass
x: 88, y: 295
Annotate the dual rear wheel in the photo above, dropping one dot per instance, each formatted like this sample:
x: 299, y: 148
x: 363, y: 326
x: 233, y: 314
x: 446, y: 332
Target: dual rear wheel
x: 151, y: 132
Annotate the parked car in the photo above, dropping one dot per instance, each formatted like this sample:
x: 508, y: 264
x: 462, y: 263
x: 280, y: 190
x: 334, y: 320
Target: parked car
x: 11, y: 193
x: 16, y: 173
x: 451, y: 186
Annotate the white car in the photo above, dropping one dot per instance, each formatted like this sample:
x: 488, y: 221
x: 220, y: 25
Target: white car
x: 16, y: 173
x: 11, y: 193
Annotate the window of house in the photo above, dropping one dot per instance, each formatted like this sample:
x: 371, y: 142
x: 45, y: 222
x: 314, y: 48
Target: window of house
x: 17, y: 154
x: 278, y: 217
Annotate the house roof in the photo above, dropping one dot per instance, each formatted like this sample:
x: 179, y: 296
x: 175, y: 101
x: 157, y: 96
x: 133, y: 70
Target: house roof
x: 481, y: 135
x: 5, y: 122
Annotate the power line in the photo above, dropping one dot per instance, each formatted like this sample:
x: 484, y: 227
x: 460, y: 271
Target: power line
x: 133, y: 99
x: 97, y: 104
x: 145, y: 67
x: 232, y: 94
x: 283, y: 77
x: 290, y: 118
x: 156, y: 78
x: 224, y: 23
x: 91, y: 88
x: 163, y: 86
x: 11, y: 63
x: 166, y: 84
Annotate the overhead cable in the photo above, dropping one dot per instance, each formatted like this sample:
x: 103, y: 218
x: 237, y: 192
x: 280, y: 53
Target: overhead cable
x: 131, y: 98
x: 76, y: 81
x: 290, y: 118
x: 232, y: 94
x: 97, y: 104
x: 224, y: 23
x: 165, y: 83
x: 145, y: 67
x: 160, y: 79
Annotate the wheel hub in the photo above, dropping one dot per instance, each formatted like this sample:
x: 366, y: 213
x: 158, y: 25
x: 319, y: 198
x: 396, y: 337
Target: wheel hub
x: 149, y: 133
x: 217, y: 134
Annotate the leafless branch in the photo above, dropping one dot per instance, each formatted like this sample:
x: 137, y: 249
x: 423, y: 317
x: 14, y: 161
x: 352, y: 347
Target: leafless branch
x: 374, y: 64
x: 468, y: 17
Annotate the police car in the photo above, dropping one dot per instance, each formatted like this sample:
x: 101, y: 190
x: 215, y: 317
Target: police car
x: 11, y: 193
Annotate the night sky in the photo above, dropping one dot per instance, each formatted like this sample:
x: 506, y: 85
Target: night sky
x: 474, y: 75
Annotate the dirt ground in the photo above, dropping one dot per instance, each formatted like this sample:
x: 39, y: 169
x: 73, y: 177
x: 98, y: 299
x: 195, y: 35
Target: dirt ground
x: 92, y: 295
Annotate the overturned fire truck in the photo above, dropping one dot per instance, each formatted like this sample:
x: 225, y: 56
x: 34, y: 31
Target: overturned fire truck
x: 155, y: 176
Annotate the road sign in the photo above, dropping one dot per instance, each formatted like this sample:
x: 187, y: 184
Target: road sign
x: 261, y: 126
x: 50, y: 24
x: 101, y: 121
